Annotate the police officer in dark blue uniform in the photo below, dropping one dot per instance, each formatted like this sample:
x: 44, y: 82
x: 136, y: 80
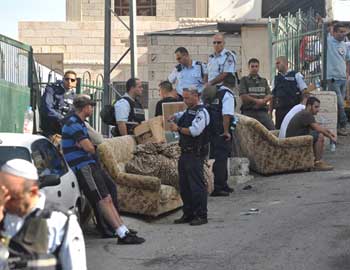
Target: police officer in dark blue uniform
x: 56, y: 102
x: 288, y: 87
x: 192, y: 126
x: 221, y: 109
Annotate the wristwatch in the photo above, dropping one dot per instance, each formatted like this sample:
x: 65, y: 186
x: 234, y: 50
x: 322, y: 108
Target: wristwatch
x: 179, y: 129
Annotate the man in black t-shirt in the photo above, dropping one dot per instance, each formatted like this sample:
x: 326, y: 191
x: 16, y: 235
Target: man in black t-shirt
x: 168, y: 94
x: 304, y: 123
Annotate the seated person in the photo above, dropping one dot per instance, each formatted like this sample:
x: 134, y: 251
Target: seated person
x: 304, y: 123
x: 168, y: 94
x: 290, y: 115
x: 80, y: 154
x: 128, y: 110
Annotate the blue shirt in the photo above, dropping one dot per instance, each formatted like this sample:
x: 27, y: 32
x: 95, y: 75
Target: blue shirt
x: 73, y: 132
x: 186, y: 77
x: 337, y: 56
x: 225, y: 61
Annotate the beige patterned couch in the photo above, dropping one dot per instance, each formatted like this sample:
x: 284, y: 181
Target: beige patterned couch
x: 137, y: 194
x: 267, y: 153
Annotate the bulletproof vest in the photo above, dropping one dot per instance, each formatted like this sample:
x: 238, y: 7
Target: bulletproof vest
x: 216, y: 125
x: 137, y: 115
x: 286, y: 93
x: 28, y: 248
x: 198, y: 145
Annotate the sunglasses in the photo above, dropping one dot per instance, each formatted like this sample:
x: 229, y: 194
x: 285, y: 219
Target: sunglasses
x: 70, y: 79
x: 217, y: 42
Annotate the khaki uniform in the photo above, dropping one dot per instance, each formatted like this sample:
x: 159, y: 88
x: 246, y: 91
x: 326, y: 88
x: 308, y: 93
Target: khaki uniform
x: 256, y: 87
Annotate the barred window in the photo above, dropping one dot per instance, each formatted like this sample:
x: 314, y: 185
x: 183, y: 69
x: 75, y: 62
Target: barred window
x: 144, y: 7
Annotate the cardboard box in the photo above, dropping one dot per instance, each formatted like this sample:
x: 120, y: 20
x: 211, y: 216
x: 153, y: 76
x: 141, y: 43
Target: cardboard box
x: 150, y: 131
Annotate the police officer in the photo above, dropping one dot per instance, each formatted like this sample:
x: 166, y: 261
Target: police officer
x: 255, y: 94
x: 221, y: 64
x: 35, y: 228
x: 221, y: 109
x: 128, y: 110
x: 56, y: 102
x: 188, y: 73
x: 192, y: 126
x: 287, y: 90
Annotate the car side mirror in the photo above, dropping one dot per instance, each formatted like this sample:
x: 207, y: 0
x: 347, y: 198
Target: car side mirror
x: 49, y: 180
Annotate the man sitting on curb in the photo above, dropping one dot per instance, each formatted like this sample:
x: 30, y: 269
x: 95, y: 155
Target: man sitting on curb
x: 304, y: 123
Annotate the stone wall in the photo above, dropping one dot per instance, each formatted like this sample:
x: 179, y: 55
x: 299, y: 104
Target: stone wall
x: 327, y: 116
x: 82, y: 43
x: 161, y: 59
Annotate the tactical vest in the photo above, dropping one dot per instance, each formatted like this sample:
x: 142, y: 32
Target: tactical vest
x: 286, y: 93
x: 136, y: 115
x: 198, y: 145
x: 28, y: 247
x: 216, y: 125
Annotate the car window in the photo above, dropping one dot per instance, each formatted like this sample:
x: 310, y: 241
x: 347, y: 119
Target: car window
x: 11, y: 152
x: 47, y: 159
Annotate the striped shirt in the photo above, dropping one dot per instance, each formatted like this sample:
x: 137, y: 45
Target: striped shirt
x: 73, y: 132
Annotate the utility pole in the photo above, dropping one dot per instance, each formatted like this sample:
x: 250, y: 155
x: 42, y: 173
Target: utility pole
x: 133, y: 40
x: 107, y: 60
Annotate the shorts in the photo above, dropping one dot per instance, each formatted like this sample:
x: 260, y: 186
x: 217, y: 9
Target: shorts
x: 315, y: 134
x: 93, y: 182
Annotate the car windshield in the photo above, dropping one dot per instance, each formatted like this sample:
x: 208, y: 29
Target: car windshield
x: 11, y: 152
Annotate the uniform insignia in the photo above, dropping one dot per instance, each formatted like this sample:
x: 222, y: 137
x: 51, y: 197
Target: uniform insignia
x: 341, y: 50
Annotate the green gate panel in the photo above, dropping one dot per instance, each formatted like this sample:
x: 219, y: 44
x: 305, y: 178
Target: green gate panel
x: 14, y: 100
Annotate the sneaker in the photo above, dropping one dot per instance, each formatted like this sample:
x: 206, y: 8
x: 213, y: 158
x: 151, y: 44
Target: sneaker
x: 322, y: 166
x: 184, y: 219
x: 198, y: 221
x: 342, y: 131
x: 130, y: 239
x: 131, y: 231
x: 219, y: 193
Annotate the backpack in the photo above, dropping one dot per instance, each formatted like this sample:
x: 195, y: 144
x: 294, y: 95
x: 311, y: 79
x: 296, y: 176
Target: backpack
x: 107, y: 115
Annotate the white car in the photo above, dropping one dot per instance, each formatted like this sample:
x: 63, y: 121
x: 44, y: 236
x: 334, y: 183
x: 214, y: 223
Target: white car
x: 49, y: 161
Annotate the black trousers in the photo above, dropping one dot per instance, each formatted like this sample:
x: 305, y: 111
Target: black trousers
x: 220, y: 150
x: 280, y: 114
x: 192, y: 187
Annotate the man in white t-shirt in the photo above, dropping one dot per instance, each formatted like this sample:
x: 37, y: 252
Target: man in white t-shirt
x: 290, y: 115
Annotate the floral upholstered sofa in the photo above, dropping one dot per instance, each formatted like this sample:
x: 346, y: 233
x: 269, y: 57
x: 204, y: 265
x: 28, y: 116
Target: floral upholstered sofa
x: 137, y: 194
x: 267, y: 153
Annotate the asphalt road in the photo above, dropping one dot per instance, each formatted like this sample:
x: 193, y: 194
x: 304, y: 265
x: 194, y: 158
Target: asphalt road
x: 303, y: 223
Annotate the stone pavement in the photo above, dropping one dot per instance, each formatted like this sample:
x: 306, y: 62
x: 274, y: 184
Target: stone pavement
x: 302, y: 223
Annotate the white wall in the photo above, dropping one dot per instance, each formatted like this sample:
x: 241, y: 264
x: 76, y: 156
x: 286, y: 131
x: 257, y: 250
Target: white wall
x: 341, y: 10
x: 236, y: 9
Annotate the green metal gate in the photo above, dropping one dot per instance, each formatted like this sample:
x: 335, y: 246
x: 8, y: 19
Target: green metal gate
x: 300, y: 38
x: 16, y: 81
x: 94, y: 88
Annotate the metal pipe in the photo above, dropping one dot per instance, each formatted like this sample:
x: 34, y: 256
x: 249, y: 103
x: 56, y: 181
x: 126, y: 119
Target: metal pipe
x: 133, y: 40
x: 107, y: 58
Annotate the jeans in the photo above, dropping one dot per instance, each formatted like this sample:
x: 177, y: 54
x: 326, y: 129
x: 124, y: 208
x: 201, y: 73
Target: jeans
x: 339, y: 87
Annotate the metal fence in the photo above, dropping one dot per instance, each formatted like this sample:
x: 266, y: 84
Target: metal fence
x: 299, y: 37
x: 16, y: 82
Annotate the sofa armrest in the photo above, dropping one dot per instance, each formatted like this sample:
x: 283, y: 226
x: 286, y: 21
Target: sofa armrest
x: 139, y: 181
x: 298, y: 141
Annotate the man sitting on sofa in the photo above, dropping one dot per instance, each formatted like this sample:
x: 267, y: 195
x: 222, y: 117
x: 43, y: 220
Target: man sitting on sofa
x: 304, y: 123
x: 80, y: 153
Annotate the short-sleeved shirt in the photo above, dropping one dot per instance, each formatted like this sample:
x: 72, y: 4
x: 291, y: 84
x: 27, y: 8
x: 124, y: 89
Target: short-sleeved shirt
x: 201, y: 120
x: 288, y: 117
x: 186, y: 77
x: 299, y: 79
x: 73, y: 132
x: 300, y: 124
x: 338, y: 54
x: 225, y: 61
x: 228, y: 102
x: 255, y: 86
x: 122, y: 109
x: 159, y: 106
